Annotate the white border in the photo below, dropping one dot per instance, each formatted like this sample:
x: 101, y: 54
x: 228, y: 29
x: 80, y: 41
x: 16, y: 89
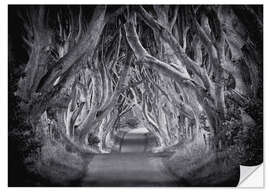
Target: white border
x: 4, y: 94
x: 252, y: 176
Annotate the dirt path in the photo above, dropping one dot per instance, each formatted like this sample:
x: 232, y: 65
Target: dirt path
x: 127, y: 169
x: 134, y: 143
x: 132, y: 167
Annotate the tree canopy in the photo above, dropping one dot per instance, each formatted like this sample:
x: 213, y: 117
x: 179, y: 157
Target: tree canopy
x: 186, y: 72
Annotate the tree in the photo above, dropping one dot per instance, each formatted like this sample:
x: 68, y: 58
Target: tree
x: 166, y: 64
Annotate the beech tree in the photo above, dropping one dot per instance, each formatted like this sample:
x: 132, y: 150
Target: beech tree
x: 169, y: 65
x: 201, y: 75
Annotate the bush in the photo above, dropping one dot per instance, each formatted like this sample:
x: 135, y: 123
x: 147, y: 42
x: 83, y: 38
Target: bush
x: 92, y: 139
x: 58, y: 167
x: 23, y: 142
x: 195, y: 166
x: 24, y: 146
x: 247, y: 141
x: 132, y: 123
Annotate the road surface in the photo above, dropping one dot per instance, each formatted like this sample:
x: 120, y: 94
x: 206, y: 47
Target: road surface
x: 133, y: 166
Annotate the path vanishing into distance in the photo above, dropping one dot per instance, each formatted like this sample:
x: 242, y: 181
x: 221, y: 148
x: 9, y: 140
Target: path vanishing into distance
x: 133, y: 166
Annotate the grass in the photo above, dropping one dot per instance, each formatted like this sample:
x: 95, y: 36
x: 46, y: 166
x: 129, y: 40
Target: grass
x: 199, y: 167
x: 58, y: 167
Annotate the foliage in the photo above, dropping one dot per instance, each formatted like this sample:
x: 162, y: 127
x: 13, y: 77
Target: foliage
x: 58, y: 166
x: 203, y: 122
x: 24, y: 142
x: 196, y: 166
x: 132, y: 123
x: 247, y: 141
x: 252, y: 139
x: 92, y: 139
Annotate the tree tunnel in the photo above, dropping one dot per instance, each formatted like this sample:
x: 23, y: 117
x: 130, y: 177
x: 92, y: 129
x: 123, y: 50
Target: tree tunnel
x: 184, y: 73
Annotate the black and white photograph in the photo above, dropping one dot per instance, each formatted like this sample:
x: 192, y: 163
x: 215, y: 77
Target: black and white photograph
x: 134, y: 95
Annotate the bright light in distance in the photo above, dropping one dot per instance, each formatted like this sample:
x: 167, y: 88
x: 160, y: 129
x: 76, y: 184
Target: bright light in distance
x: 139, y: 130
